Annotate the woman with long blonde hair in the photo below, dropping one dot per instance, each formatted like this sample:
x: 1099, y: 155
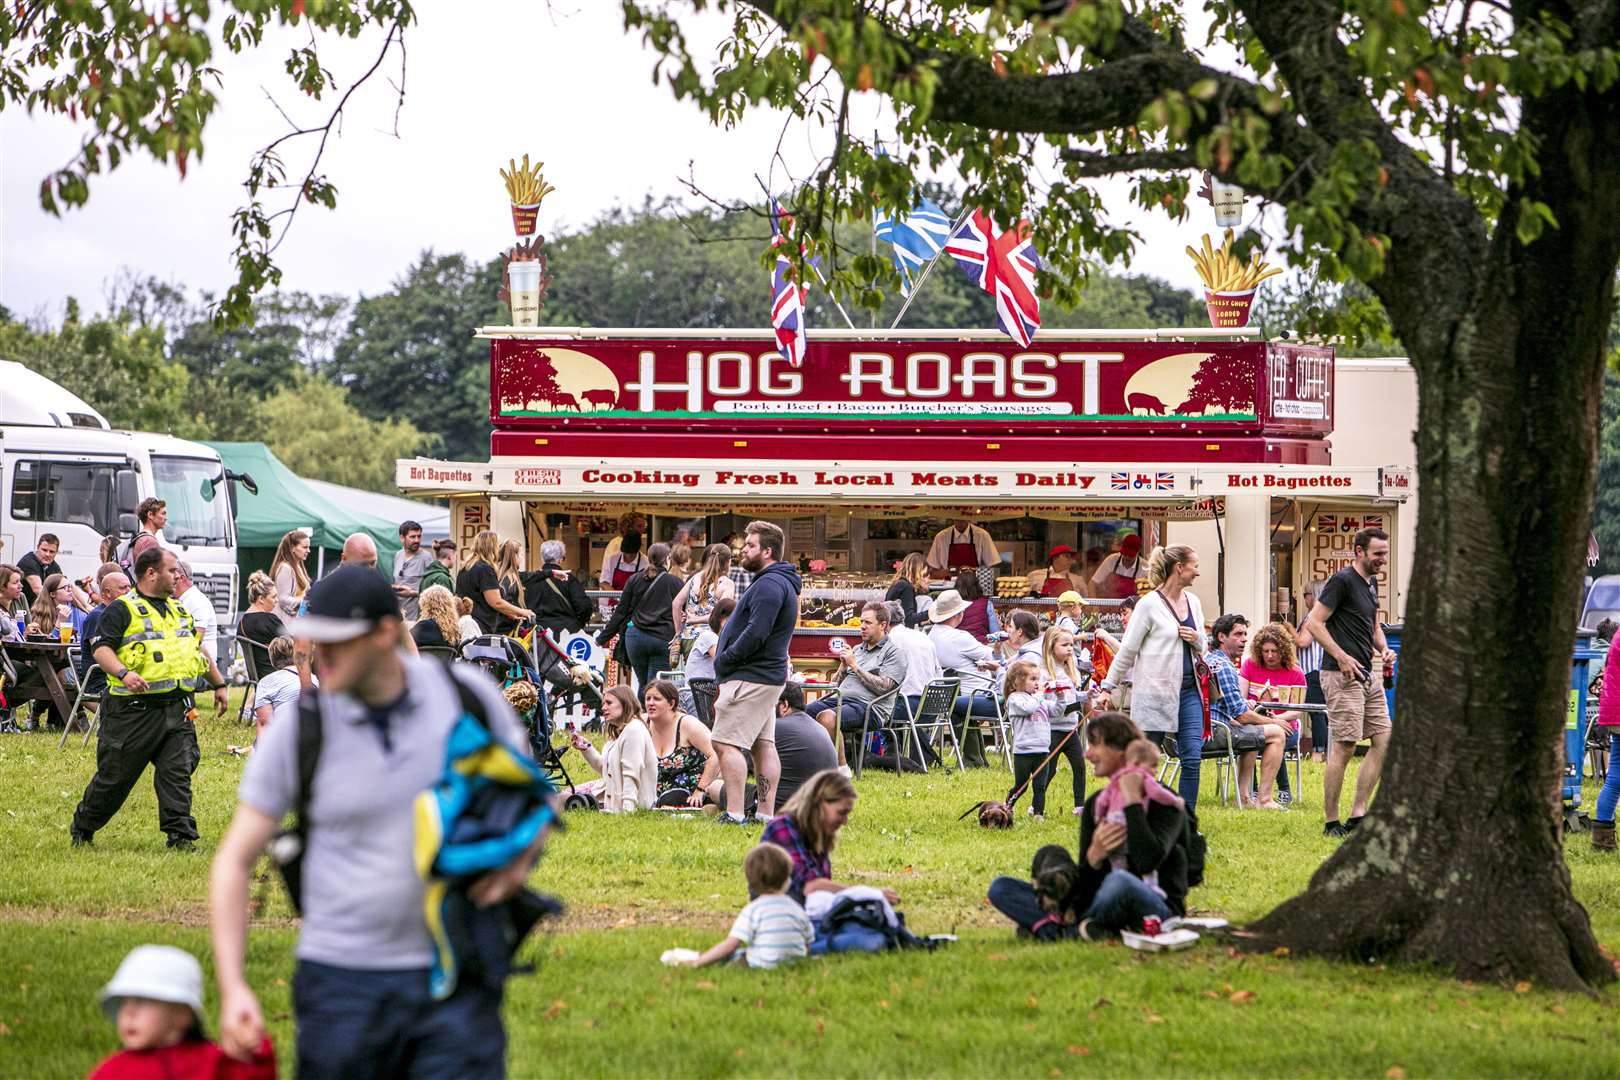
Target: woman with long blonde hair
x: 909, y: 582
x: 480, y: 581
x: 702, y: 591
x: 287, y: 571
x: 438, y: 626
x: 1161, y: 655
x: 1062, y: 678
x: 628, y: 763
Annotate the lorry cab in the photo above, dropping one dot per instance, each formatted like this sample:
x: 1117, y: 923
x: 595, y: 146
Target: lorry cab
x: 65, y: 471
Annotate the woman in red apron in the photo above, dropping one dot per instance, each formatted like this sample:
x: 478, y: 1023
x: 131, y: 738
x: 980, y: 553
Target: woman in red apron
x: 1119, y: 579
x: 1058, y: 581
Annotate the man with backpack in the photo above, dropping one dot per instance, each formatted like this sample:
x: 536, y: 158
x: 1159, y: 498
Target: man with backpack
x: 363, y: 992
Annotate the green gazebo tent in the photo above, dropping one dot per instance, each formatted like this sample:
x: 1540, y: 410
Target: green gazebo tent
x: 286, y: 502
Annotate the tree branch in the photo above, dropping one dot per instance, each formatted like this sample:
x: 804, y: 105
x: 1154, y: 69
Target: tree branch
x: 1088, y: 163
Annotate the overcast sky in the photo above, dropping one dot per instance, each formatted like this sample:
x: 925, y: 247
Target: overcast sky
x: 487, y: 80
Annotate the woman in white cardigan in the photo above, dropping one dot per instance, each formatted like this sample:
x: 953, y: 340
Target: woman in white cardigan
x: 628, y: 763
x: 1165, y: 636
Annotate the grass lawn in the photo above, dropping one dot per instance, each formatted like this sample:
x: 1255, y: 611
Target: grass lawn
x: 601, y: 1004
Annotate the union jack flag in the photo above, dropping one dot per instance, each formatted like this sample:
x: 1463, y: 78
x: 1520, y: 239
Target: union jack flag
x: 1003, y: 264
x: 787, y: 296
x: 1153, y: 481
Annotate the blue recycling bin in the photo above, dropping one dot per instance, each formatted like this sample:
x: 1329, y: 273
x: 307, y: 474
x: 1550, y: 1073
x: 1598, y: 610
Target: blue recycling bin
x: 1580, y: 677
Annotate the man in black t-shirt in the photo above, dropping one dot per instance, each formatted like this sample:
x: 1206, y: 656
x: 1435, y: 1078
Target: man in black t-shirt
x: 38, y: 565
x: 1354, y: 659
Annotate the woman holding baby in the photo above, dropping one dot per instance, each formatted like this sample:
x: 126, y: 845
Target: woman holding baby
x: 1134, y: 840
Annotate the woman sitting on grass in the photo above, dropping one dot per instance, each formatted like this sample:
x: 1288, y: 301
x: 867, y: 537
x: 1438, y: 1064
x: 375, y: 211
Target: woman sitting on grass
x: 628, y: 763
x: 688, y: 767
x: 1127, y: 869
x: 807, y: 829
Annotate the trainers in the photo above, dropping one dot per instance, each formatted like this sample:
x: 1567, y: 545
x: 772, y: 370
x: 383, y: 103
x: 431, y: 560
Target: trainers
x: 80, y: 839
x: 1350, y: 823
x: 726, y: 819
x: 182, y: 845
x: 845, y: 771
x: 1285, y: 797
x: 1333, y: 830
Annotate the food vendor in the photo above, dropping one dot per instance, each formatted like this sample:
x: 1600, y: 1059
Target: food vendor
x: 1116, y: 577
x: 1058, y: 576
x: 963, y: 546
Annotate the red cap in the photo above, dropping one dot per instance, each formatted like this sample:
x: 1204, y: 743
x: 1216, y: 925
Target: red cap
x: 1061, y: 549
x: 1130, y: 545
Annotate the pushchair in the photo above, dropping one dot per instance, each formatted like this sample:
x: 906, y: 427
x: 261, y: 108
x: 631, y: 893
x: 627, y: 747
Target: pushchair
x: 511, y: 665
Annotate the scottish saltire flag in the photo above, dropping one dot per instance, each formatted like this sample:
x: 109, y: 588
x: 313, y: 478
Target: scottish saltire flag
x: 914, y: 238
x: 787, y: 296
x: 1003, y: 264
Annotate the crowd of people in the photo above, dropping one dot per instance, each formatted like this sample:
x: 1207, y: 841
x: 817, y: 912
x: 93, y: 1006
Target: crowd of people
x: 358, y: 646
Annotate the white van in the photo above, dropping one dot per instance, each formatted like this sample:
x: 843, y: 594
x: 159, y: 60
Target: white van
x: 64, y: 470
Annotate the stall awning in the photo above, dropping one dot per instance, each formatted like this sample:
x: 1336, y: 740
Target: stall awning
x: 877, y: 488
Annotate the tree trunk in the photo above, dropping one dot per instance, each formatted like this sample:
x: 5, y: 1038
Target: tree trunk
x: 1460, y: 862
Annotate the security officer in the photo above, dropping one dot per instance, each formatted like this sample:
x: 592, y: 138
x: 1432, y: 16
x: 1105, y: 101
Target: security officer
x: 148, y: 647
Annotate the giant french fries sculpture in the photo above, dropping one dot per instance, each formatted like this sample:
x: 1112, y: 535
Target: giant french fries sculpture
x: 526, y: 188
x: 1229, y: 282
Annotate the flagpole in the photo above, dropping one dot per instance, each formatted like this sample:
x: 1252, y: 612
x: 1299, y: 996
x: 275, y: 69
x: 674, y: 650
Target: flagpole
x: 926, y: 271
x: 847, y: 320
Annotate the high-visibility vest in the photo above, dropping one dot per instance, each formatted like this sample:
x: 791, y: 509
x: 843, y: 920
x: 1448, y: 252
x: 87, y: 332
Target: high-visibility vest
x: 160, y: 648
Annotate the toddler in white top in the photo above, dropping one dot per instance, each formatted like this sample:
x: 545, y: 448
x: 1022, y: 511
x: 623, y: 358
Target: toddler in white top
x: 1031, y: 732
x: 773, y: 929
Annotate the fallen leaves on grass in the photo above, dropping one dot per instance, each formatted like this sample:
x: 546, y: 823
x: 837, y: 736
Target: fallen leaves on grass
x: 555, y: 1009
x: 1079, y: 1051
x: 1522, y: 986
x: 1241, y: 997
x: 705, y: 984
x: 1395, y: 1072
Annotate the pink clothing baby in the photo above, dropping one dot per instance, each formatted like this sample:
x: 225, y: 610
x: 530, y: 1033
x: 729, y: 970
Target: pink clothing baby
x: 1141, y: 757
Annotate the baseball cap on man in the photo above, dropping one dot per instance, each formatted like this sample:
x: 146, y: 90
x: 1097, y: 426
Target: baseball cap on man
x: 344, y: 604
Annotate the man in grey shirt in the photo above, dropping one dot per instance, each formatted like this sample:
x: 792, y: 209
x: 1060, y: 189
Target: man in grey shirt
x: 870, y: 671
x: 410, y: 562
x: 360, y: 993
x: 800, y: 742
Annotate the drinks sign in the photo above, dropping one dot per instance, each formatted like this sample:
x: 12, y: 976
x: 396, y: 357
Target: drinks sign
x: 1181, y: 387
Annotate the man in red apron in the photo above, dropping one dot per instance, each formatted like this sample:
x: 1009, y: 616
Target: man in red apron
x: 1117, y: 575
x: 963, y: 546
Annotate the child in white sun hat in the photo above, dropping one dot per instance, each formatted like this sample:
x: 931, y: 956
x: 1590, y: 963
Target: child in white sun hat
x: 156, y: 1001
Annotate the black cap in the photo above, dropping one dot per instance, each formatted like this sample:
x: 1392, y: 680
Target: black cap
x: 344, y: 604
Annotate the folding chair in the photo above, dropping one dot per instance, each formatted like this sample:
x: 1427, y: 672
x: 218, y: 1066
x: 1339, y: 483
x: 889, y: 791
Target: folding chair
x: 84, y: 678
x: 244, y: 711
x: 1217, y: 750
x: 888, y: 700
x: 1003, y: 733
x: 933, y: 713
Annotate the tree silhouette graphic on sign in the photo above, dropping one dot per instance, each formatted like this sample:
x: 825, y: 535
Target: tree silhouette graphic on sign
x: 1222, y: 382
x: 529, y: 380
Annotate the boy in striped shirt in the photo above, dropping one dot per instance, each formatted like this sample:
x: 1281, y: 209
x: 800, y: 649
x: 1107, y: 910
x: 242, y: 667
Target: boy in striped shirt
x: 773, y: 929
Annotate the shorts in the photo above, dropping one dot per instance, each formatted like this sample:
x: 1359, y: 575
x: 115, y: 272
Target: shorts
x: 1356, y: 711
x: 745, y: 713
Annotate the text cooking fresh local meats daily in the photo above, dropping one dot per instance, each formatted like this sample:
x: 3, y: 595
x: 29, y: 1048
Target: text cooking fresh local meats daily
x: 822, y: 479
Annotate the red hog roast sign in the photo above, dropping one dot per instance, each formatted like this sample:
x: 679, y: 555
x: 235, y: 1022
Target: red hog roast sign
x: 1174, y: 387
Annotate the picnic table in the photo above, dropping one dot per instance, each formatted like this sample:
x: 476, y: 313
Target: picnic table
x: 37, y: 663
